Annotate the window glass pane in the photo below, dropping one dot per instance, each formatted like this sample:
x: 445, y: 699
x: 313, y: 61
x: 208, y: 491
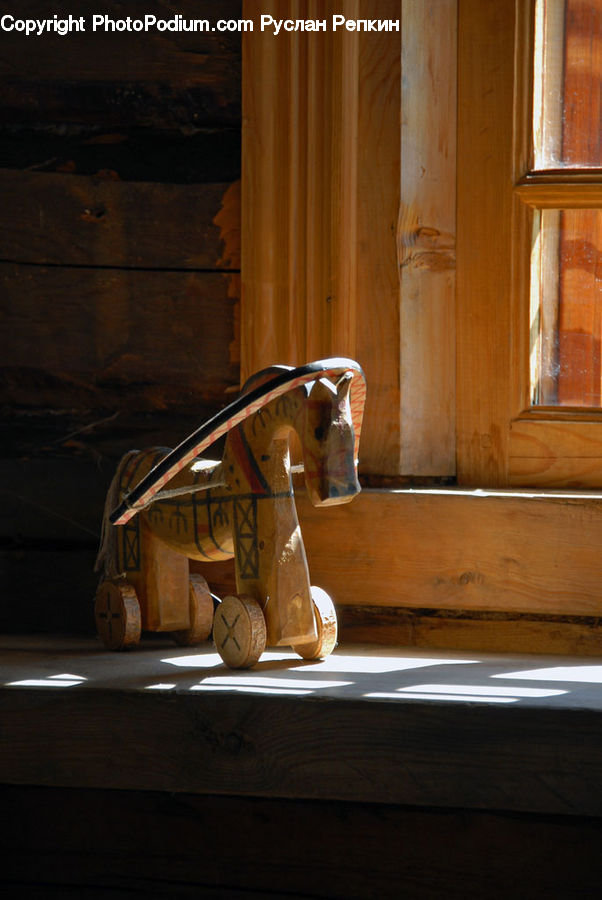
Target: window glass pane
x: 566, y: 309
x: 568, y: 84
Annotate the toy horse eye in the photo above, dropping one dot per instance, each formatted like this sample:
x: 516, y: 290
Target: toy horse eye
x: 319, y: 432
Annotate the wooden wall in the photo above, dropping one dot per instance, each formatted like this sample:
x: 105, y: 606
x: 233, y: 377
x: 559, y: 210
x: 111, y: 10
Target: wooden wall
x: 119, y: 274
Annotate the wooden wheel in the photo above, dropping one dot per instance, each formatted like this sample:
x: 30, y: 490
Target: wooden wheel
x: 239, y: 631
x: 326, y: 624
x: 201, y: 614
x: 117, y: 615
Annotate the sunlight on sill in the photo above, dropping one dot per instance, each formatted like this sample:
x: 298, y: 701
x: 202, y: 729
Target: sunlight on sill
x: 472, y: 698
x: 263, y: 685
x: 334, y: 663
x: 485, y: 690
x: 249, y: 689
x: 501, y: 493
x: 63, y: 680
x: 584, y: 674
x: 465, y: 692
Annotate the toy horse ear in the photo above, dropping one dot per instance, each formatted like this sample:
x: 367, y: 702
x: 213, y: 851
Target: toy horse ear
x: 343, y: 385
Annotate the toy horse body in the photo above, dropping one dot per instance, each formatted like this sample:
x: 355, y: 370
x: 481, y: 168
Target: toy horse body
x: 241, y: 506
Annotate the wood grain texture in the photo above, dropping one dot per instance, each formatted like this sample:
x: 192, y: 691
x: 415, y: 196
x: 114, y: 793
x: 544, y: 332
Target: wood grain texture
x: 476, y: 631
x: 134, y: 341
x: 455, y: 550
x: 377, y: 290
x: 563, y: 454
x: 113, y: 842
x: 574, y: 193
x: 319, y: 205
x: 74, y: 220
x: 426, y: 237
x: 181, y: 79
x: 484, y: 291
x: 422, y: 753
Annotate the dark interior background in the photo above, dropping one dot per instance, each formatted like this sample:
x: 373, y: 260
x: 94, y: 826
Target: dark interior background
x: 119, y: 273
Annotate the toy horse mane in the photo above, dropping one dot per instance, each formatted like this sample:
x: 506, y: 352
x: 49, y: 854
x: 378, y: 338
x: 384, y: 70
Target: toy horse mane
x: 257, y: 392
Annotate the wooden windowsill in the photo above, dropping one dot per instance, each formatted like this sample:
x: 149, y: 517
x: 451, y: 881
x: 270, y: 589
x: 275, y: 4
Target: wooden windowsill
x: 388, y: 725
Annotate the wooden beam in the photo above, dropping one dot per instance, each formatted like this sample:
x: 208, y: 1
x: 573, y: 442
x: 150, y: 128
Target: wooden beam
x: 379, y: 197
x: 134, y: 341
x: 482, y: 632
x: 464, y: 550
x: 485, y: 288
x: 90, y: 842
x: 77, y: 220
x: 427, y: 237
x: 319, y: 204
x: 560, y: 454
x: 162, y: 79
x: 337, y: 742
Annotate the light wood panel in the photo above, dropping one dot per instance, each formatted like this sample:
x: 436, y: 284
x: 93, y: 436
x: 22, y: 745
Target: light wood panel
x: 559, y: 453
x: 484, y: 275
x: 378, y: 287
x: 581, y: 192
x: 319, y: 205
x: 426, y: 237
x: 461, y: 550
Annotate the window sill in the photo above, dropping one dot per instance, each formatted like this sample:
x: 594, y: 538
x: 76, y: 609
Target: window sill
x: 531, y: 554
x: 360, y: 726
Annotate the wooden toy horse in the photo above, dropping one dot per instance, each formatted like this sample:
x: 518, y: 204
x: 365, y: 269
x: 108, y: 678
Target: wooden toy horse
x: 242, y: 506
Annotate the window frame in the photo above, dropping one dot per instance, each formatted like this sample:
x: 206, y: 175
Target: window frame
x: 322, y: 245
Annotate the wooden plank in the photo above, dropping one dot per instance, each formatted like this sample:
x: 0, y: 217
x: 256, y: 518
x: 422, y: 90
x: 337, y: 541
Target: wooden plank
x: 559, y: 472
x: 112, y: 843
x: 158, y: 78
x: 273, y: 197
x: 426, y: 237
x: 459, y: 550
x: 117, y: 339
x: 549, y: 439
x: 572, y: 193
x: 195, y: 156
x: 74, y: 220
x: 319, y: 205
x: 462, y: 630
x: 486, y: 36
x: 60, y: 436
x: 112, y: 733
x: 552, y: 453
x: 377, y: 289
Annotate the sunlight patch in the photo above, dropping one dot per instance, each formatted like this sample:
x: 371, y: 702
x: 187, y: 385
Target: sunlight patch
x: 471, y: 698
x: 250, y: 689
x: 380, y: 664
x: 63, y: 680
x: 585, y: 674
x: 264, y: 681
x: 485, y: 690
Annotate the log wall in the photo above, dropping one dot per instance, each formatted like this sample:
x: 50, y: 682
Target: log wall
x: 119, y: 277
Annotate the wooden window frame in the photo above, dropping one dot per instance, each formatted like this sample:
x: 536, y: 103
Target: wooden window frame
x: 346, y: 252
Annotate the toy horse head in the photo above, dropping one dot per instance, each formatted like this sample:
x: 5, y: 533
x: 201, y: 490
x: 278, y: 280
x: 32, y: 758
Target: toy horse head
x: 328, y: 442
x: 326, y: 431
